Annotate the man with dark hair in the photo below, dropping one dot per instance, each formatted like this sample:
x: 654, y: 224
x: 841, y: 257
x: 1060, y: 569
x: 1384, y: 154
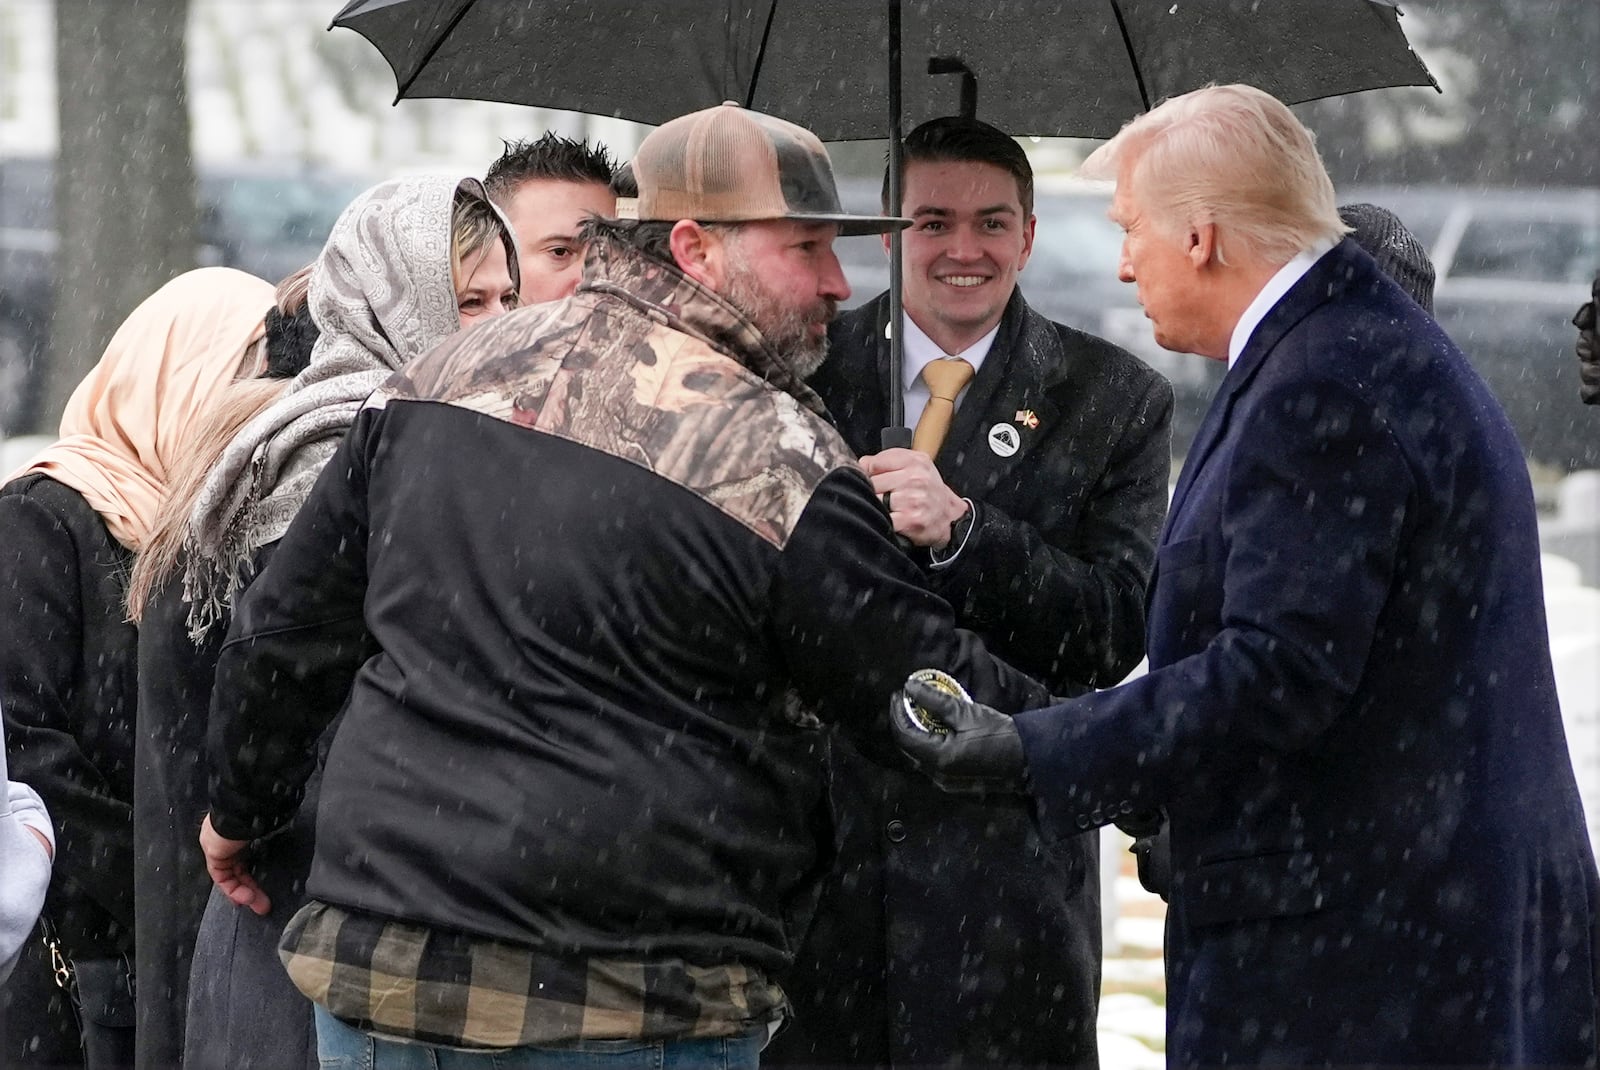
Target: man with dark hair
x: 624, y: 187
x: 957, y: 139
x: 948, y: 930
x: 547, y: 188
x: 573, y: 583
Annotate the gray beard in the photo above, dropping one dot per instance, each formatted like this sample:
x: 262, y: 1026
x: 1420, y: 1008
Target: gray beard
x: 786, y: 330
x: 805, y: 359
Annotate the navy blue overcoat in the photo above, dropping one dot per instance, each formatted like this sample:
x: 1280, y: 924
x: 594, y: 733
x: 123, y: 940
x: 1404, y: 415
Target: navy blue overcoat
x: 1378, y: 850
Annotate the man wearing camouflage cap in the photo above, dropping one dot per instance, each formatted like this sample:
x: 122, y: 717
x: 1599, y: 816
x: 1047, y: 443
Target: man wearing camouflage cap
x: 578, y: 577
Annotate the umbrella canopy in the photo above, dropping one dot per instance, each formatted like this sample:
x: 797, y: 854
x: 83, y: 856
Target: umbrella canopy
x: 1046, y: 67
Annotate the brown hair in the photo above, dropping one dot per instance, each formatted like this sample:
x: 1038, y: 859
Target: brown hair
x: 552, y: 158
x: 957, y: 139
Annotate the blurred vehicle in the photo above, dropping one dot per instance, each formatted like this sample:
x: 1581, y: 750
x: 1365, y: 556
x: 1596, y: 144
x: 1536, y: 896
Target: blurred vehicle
x: 266, y: 219
x: 1512, y: 266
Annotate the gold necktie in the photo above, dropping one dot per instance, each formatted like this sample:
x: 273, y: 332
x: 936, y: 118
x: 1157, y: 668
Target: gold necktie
x: 945, y: 378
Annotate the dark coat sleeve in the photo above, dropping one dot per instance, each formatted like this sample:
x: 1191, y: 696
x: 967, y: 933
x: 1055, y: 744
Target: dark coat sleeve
x: 48, y: 694
x: 297, y: 639
x: 1303, y: 568
x: 1065, y: 602
x: 854, y: 620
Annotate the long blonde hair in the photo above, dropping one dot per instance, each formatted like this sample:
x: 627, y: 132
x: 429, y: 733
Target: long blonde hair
x: 236, y: 406
x: 158, y: 560
x: 294, y: 289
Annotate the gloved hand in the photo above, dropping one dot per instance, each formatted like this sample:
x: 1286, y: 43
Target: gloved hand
x: 1152, y: 851
x: 978, y: 749
x: 1588, y: 349
x: 1142, y: 823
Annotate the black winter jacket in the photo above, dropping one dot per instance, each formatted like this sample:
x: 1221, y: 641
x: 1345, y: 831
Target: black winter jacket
x: 67, y: 687
x: 67, y: 677
x: 580, y: 563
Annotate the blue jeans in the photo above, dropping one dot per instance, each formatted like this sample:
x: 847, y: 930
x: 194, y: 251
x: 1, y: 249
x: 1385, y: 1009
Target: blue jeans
x: 342, y: 1047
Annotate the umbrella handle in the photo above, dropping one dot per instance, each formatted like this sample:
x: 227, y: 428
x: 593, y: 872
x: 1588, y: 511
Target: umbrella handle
x: 969, y: 81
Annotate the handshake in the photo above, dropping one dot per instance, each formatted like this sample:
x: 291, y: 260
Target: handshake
x: 967, y: 747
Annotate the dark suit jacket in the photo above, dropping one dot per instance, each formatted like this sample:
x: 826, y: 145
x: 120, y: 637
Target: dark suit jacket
x: 1054, y: 573
x: 1378, y: 850
x: 948, y: 929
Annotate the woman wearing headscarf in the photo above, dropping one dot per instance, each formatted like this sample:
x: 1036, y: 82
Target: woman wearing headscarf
x: 408, y: 263
x: 170, y: 881
x: 72, y: 518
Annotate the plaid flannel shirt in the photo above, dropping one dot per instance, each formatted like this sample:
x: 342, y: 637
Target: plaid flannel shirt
x: 416, y: 983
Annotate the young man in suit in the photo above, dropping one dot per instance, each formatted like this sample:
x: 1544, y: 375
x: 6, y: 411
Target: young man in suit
x: 946, y: 929
x: 1378, y: 852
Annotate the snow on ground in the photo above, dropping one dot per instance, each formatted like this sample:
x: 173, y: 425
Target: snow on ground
x: 1119, y: 1052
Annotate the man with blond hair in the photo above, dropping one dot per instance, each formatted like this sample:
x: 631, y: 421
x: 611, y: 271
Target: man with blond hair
x: 1350, y: 719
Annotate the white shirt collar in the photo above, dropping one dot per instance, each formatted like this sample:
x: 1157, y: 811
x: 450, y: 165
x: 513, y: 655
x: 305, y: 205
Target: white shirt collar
x: 1280, y: 283
x: 921, y: 351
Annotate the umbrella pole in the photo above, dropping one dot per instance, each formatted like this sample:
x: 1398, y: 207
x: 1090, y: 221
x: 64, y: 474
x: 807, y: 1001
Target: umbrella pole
x: 1133, y: 57
x: 896, y: 435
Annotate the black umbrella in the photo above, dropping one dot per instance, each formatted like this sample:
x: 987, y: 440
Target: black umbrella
x: 1047, y: 67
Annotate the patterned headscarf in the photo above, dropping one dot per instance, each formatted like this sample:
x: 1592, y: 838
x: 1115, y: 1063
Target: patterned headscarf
x: 382, y: 294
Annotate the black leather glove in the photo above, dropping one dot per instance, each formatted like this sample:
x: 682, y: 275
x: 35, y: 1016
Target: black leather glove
x: 1142, y: 822
x: 1588, y: 349
x: 975, y: 749
x: 1152, y: 851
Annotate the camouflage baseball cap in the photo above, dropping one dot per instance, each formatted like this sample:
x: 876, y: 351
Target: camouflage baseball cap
x: 730, y: 165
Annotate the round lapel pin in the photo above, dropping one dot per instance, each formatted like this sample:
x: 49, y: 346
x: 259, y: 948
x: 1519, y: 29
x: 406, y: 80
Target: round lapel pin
x: 1004, y: 440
